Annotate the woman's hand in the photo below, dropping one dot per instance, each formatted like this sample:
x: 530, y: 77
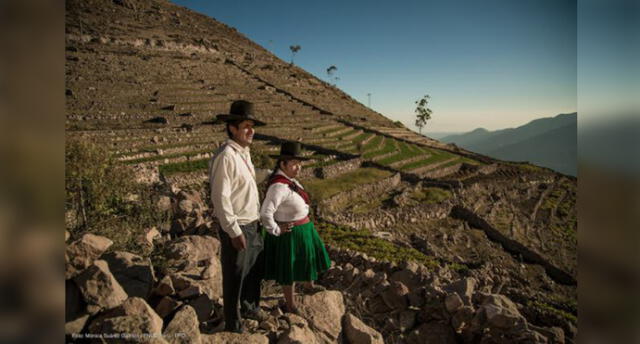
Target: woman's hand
x: 285, y: 227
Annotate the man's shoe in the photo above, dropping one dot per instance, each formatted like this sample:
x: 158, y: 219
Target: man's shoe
x: 257, y: 314
x: 236, y: 329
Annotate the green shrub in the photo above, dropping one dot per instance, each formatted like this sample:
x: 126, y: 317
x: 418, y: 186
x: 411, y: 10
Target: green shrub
x: 105, y: 199
x: 363, y: 241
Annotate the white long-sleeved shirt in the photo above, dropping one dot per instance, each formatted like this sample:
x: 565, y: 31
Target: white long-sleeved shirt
x: 234, y: 192
x: 282, y: 204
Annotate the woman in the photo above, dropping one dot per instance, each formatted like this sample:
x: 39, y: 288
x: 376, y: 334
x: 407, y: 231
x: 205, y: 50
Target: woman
x: 294, y: 251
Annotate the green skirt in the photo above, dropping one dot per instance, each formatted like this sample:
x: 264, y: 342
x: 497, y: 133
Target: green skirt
x: 295, y: 256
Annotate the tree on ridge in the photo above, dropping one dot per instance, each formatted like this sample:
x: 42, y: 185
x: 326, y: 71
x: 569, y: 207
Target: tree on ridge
x: 331, y: 71
x: 423, y: 113
x: 294, y: 49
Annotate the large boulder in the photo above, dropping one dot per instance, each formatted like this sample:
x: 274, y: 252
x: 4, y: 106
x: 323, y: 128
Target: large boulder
x: 211, y: 284
x: 164, y: 287
x: 453, y: 303
x: 554, y: 335
x: 407, y: 276
x: 396, y: 296
x: 134, y: 273
x: 203, y: 306
x: 358, y: 332
x: 497, y: 311
x: 298, y: 332
x: 183, y: 328
x: 234, y: 338
x: 81, y: 253
x: 464, y: 288
x: 76, y: 326
x: 133, y: 318
x: 193, y: 248
x: 324, y: 311
x: 166, y: 306
x: 100, y: 290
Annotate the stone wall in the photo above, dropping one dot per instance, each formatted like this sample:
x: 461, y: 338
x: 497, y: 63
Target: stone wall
x: 146, y: 174
x: 375, y: 188
x: 381, y: 219
x: 337, y: 169
x: 441, y: 172
x: 184, y: 179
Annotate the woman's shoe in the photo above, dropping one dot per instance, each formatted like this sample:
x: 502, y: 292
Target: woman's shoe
x: 312, y: 289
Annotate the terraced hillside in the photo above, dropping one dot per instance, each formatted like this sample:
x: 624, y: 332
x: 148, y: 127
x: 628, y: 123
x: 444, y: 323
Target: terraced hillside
x: 145, y: 79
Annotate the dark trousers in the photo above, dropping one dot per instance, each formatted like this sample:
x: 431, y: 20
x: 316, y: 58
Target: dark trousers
x: 242, y: 273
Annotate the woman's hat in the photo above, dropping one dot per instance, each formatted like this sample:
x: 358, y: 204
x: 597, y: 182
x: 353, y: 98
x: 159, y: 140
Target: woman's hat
x: 289, y: 151
x: 241, y: 110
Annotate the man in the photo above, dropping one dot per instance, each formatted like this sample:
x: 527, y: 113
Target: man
x: 234, y: 194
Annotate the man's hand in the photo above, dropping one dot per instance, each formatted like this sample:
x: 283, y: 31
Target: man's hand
x: 239, y: 242
x: 285, y: 227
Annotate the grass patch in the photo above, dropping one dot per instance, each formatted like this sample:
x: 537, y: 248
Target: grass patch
x: 329, y: 131
x: 436, y: 156
x: 416, y: 149
x: 361, y: 205
x: 184, y: 167
x: 324, y: 188
x: 389, y: 147
x: 150, y: 149
x: 363, y: 241
x: 361, y: 137
x: 405, y: 153
x: 347, y: 133
x: 565, y: 222
x: 323, y: 163
x: 431, y: 195
x: 451, y: 163
x: 259, y: 158
x: 547, y: 308
x: 373, y: 144
x: 526, y: 167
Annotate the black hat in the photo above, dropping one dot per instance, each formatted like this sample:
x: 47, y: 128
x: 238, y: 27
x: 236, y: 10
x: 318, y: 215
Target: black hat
x: 289, y: 151
x: 241, y: 110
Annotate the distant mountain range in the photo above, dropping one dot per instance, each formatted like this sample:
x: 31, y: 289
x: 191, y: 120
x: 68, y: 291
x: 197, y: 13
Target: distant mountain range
x: 437, y: 135
x: 549, y: 142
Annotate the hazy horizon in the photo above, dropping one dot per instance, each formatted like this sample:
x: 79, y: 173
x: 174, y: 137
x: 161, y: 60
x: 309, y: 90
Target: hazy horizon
x: 494, y: 64
x: 441, y: 133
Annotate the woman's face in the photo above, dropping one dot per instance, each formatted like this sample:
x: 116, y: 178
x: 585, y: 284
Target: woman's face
x: 291, y: 167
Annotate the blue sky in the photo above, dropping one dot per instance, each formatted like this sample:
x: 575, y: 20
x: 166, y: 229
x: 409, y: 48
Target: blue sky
x: 491, y: 64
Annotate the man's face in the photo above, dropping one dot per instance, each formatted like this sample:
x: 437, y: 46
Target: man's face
x: 243, y: 134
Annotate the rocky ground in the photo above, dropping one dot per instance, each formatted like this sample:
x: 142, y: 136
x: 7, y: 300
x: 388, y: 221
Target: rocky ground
x: 175, y: 295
